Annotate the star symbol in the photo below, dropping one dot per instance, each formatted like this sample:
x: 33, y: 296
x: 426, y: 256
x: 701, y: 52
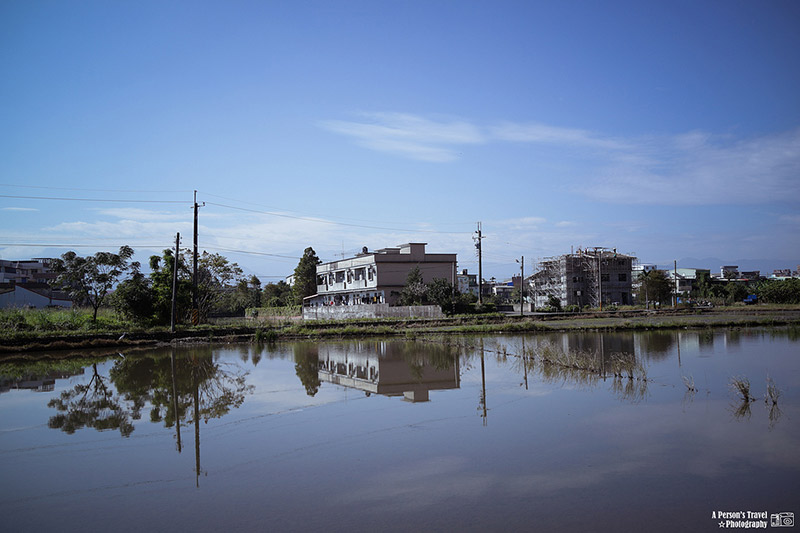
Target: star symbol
x: 722, y: 524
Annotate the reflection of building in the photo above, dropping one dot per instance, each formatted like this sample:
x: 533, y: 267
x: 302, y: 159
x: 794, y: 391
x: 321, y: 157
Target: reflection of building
x: 388, y: 369
x: 36, y: 383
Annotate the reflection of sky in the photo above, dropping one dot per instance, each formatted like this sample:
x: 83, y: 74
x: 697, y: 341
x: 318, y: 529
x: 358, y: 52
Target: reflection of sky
x: 555, y: 455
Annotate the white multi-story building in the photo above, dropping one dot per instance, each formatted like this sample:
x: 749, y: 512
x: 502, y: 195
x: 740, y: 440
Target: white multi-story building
x: 379, y: 276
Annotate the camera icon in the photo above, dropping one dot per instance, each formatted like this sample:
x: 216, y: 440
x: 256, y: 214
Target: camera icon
x: 781, y: 520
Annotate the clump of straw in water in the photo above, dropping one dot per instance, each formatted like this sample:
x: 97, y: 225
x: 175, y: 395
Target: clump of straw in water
x: 741, y: 386
x: 773, y: 392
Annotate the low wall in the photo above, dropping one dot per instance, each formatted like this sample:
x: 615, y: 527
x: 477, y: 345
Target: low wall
x: 341, y: 312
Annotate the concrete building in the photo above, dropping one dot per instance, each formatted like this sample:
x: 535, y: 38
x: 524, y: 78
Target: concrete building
x: 378, y: 277
x: 467, y: 283
x: 593, y: 277
x: 37, y: 270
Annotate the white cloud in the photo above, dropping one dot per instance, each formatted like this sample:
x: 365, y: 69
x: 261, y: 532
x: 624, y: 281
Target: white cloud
x: 18, y: 209
x: 409, y: 135
x: 700, y: 169
x: 542, y: 133
x: 691, y: 168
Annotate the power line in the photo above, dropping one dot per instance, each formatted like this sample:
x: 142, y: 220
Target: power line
x: 254, y: 253
x: 92, y: 199
x: 327, y: 216
x: 323, y: 221
x: 89, y: 190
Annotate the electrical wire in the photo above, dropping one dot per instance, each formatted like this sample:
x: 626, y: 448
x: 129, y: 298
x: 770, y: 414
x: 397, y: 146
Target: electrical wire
x: 300, y: 214
x: 89, y: 190
x: 111, y: 200
x: 323, y: 221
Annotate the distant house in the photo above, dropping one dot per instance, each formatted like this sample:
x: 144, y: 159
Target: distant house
x: 467, y: 283
x: 684, y: 280
x: 378, y: 277
x: 35, y: 295
x: 37, y: 270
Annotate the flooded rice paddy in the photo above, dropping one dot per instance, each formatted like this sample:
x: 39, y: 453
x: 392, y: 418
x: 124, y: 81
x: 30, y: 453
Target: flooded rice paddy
x: 584, y: 431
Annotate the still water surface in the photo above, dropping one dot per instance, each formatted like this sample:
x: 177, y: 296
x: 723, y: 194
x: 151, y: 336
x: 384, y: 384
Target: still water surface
x: 515, y: 433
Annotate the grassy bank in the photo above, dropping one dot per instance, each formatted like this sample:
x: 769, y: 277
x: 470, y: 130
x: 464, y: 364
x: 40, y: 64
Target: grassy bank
x: 34, y: 330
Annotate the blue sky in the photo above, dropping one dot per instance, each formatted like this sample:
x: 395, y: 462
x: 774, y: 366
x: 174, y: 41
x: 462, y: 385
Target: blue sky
x: 669, y: 130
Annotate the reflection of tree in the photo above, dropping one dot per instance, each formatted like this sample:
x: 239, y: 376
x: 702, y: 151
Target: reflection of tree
x: 657, y: 344
x: 306, y: 366
x: 93, y: 405
x: 151, y: 379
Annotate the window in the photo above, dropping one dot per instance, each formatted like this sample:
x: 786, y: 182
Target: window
x: 604, y: 277
x: 623, y: 277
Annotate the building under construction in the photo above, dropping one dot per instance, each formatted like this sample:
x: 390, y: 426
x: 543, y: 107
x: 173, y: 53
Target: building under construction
x: 591, y: 277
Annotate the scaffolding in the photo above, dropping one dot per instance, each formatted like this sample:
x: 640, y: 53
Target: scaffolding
x: 577, y: 278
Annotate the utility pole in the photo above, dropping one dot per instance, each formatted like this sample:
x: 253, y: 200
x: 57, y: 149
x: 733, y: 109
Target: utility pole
x: 175, y: 283
x: 521, y: 285
x: 675, y: 275
x: 480, y: 265
x: 195, y: 309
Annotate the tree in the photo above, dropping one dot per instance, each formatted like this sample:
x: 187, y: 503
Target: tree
x: 415, y: 292
x: 442, y: 293
x: 736, y: 291
x: 277, y: 294
x: 215, y: 274
x: 133, y: 298
x: 305, y: 275
x: 779, y: 292
x: 89, y: 279
x: 161, y: 286
x: 655, y: 287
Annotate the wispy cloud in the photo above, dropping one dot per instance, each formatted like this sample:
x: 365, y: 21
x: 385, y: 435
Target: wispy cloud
x: 701, y: 169
x: 408, y: 135
x: 554, y: 135
x: 690, y: 168
x: 18, y: 209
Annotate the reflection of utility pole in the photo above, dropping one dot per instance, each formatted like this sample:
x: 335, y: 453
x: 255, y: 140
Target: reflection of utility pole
x: 175, y: 400
x: 482, y: 405
x: 196, y: 422
x: 525, y: 363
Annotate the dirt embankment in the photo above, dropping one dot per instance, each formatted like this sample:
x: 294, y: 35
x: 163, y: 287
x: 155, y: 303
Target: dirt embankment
x: 14, y: 345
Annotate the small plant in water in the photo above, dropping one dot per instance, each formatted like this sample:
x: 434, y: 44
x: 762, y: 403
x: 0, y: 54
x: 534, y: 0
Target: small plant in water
x: 773, y: 392
x: 689, y: 382
x: 741, y: 386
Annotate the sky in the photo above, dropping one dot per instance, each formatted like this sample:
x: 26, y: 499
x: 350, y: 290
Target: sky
x: 666, y: 130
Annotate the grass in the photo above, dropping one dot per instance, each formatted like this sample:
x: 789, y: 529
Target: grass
x: 689, y: 382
